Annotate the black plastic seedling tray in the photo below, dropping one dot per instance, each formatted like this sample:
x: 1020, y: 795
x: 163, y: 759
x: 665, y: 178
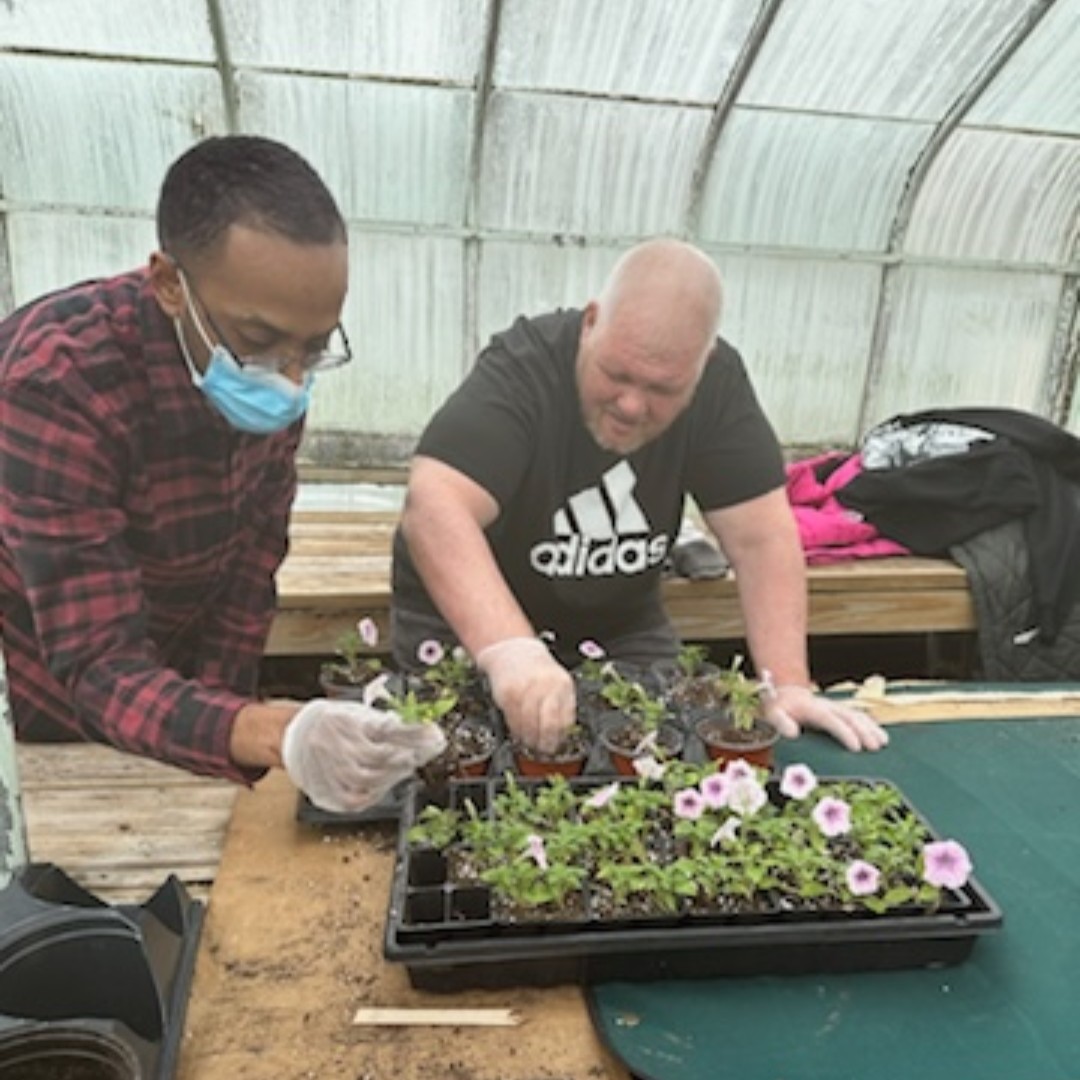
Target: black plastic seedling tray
x: 449, y: 939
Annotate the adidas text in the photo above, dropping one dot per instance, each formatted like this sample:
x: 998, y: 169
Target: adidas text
x: 577, y: 556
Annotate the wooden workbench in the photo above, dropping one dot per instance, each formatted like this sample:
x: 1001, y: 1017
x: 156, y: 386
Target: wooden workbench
x: 119, y: 824
x: 338, y: 570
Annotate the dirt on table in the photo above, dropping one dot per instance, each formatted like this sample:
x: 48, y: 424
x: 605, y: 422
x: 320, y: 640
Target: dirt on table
x: 293, y: 946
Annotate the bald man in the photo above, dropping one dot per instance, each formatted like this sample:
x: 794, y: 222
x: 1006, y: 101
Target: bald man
x: 547, y: 491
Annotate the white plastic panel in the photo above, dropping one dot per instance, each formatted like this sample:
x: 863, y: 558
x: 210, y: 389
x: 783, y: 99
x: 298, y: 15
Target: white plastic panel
x: 1039, y: 88
x: 598, y: 117
x: 570, y: 165
x: 650, y: 49
x: 403, y: 316
x: 804, y: 330
x: 966, y: 337
x: 900, y: 58
x: 164, y: 29
x: 52, y: 251
x: 999, y: 195
x: 529, y: 279
x: 388, y: 152
x: 98, y: 133
x: 808, y: 181
x: 439, y: 40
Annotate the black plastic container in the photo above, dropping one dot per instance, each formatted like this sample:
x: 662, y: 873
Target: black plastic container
x: 95, y: 989
x: 449, y: 939
x: 67, y: 1050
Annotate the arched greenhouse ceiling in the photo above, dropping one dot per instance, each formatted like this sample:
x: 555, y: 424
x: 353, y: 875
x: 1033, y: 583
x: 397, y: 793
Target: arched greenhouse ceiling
x: 891, y: 188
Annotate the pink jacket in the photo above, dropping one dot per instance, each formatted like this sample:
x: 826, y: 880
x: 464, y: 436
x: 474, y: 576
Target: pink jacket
x: 829, y: 531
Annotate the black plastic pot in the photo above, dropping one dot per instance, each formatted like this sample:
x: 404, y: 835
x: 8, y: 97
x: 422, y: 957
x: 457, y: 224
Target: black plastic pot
x: 68, y: 960
x: 86, y: 1050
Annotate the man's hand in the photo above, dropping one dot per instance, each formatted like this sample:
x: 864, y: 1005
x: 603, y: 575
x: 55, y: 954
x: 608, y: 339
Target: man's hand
x: 534, y: 691
x: 789, y: 709
x: 345, y: 755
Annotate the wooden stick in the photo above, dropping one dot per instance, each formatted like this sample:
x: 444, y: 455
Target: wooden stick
x: 386, y: 1017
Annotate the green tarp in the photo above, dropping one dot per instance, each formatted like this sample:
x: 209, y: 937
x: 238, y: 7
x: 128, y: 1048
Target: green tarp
x: 1010, y: 792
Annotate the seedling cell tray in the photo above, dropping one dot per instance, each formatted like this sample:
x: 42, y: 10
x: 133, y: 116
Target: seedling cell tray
x: 389, y: 807
x: 449, y: 937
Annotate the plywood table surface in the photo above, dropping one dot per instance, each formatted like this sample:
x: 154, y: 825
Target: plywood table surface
x: 293, y: 947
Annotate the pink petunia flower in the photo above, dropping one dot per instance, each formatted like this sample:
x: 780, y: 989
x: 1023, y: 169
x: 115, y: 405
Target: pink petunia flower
x: 726, y: 833
x: 798, y: 781
x: 429, y: 652
x: 602, y: 796
x: 739, y: 769
x: 863, y: 878
x: 689, y: 804
x: 946, y: 864
x: 715, y: 789
x: 746, y: 796
x: 832, y: 816
x: 369, y: 632
x: 534, y: 846
x: 591, y: 650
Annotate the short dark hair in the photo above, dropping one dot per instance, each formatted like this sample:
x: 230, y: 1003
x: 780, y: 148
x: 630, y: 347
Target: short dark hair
x: 243, y: 180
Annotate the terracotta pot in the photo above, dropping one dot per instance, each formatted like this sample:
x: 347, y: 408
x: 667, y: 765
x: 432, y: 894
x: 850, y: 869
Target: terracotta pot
x: 568, y: 760
x: 470, y: 745
x: 474, y: 742
x: 614, y: 737
x: 723, y: 742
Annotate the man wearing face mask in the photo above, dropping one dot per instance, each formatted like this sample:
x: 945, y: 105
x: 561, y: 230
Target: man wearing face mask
x: 148, y: 429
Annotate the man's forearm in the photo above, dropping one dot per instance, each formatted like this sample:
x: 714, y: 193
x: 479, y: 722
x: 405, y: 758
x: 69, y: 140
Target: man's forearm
x: 762, y: 542
x: 774, y: 606
x: 443, y: 524
x: 465, y: 584
x: 257, y: 731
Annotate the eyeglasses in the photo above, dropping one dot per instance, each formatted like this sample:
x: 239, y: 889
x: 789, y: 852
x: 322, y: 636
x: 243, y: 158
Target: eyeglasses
x: 334, y: 354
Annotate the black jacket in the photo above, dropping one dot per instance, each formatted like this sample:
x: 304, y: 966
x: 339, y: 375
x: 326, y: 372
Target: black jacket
x: 1030, y: 471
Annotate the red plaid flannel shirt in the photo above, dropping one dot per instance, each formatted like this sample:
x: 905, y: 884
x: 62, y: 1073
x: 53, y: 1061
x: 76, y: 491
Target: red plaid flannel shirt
x: 139, y: 532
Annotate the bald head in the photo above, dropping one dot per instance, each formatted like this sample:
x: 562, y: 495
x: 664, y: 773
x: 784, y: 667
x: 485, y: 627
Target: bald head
x: 644, y: 342
x: 665, y: 294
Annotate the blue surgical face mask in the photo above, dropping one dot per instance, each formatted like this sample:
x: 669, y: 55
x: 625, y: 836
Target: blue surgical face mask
x: 251, y: 399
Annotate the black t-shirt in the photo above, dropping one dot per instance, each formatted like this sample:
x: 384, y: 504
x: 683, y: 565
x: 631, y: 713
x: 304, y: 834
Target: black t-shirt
x: 583, y: 533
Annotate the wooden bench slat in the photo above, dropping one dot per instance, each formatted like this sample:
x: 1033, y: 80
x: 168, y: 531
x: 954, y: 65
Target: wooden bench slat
x: 85, y: 765
x: 338, y: 570
x: 120, y: 824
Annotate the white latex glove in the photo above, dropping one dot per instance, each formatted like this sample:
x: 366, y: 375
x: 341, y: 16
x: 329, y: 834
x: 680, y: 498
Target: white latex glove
x: 534, y: 691
x: 789, y: 709
x: 345, y: 755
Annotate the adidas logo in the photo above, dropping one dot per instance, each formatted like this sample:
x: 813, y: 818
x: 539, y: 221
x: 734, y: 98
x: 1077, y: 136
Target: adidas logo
x: 601, y: 532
